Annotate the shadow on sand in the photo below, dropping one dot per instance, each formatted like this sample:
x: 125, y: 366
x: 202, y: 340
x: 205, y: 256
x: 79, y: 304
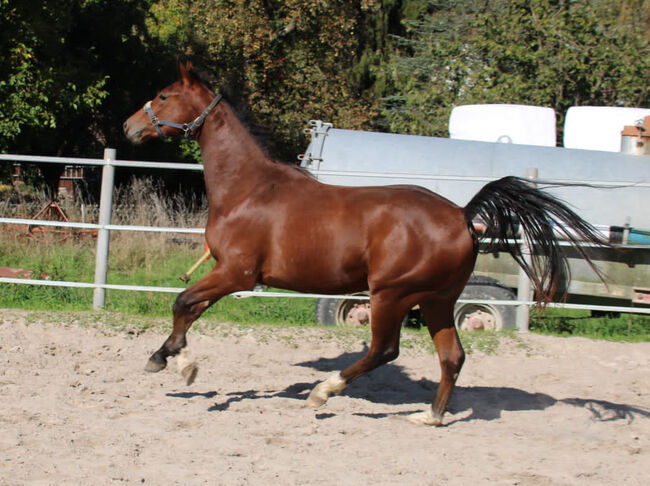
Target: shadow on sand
x: 390, y: 385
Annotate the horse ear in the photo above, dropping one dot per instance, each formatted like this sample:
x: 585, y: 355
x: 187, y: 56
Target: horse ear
x: 185, y: 72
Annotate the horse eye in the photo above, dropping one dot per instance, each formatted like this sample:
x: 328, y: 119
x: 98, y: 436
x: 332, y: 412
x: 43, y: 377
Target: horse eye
x: 162, y: 96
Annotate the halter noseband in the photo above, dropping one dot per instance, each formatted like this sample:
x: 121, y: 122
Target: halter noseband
x: 187, y: 128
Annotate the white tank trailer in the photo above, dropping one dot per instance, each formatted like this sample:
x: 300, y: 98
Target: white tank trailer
x: 618, y: 203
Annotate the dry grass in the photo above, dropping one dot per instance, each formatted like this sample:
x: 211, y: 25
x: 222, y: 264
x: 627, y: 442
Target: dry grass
x: 144, y: 203
x: 136, y: 257
x: 141, y: 202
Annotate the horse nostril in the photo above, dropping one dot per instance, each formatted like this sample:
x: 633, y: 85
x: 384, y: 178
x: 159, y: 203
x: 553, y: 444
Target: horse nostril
x: 126, y: 126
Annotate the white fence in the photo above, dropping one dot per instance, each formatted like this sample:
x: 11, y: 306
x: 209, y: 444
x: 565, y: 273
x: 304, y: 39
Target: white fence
x: 104, y: 227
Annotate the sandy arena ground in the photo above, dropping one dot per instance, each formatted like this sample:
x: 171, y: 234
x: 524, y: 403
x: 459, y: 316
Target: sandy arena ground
x: 78, y: 409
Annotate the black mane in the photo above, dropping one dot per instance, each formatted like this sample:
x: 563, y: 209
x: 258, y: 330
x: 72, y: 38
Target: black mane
x: 202, y: 77
x: 238, y: 102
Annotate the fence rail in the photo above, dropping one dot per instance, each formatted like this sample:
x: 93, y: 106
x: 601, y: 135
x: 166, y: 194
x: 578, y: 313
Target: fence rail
x: 94, y: 226
x: 109, y: 163
x: 292, y: 295
x: 433, y: 177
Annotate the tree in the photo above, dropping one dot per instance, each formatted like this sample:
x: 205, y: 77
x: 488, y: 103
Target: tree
x: 72, y: 70
x: 289, y: 60
x: 41, y: 90
x: 556, y: 53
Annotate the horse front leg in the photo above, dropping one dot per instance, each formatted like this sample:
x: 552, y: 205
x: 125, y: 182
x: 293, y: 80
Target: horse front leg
x: 176, y: 343
x: 188, y: 307
x: 440, y: 322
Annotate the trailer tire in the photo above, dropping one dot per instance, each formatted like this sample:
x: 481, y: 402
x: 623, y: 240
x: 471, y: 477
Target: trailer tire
x: 344, y: 312
x: 485, y: 316
x: 325, y: 312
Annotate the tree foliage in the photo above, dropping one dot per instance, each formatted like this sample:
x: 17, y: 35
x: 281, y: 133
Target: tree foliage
x: 73, y: 70
x: 290, y: 60
x: 556, y: 53
x: 42, y: 87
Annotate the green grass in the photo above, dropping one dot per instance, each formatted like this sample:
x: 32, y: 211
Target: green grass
x: 161, y: 266
x: 566, y: 322
x: 157, y: 260
x: 136, y: 258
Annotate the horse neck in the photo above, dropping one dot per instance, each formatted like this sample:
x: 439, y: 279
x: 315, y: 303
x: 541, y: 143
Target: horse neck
x: 233, y: 162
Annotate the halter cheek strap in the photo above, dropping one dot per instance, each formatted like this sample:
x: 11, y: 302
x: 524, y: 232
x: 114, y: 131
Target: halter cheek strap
x: 187, y: 128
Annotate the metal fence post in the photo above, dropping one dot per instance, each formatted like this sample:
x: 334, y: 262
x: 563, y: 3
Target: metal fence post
x: 103, y: 236
x: 524, y: 287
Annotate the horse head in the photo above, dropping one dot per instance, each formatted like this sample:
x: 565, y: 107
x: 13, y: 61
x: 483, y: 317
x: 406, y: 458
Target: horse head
x: 178, y: 109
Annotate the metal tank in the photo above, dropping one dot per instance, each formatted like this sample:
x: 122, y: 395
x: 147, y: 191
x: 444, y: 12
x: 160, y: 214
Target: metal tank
x: 456, y: 169
x: 635, y: 139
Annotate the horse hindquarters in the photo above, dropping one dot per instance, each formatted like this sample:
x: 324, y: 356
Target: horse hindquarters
x: 426, y: 260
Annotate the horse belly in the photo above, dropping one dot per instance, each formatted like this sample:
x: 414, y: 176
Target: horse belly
x: 317, y: 271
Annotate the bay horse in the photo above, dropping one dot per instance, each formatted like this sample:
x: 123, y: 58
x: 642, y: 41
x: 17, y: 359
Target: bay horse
x: 272, y: 224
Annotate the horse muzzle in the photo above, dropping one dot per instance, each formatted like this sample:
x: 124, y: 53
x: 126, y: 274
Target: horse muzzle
x: 132, y: 132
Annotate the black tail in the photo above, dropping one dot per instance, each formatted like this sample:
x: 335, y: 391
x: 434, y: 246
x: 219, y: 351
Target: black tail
x: 512, y: 202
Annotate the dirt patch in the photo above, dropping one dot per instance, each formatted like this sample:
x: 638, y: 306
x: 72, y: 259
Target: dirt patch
x: 76, y: 408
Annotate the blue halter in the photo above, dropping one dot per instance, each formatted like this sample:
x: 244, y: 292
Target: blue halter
x: 187, y: 128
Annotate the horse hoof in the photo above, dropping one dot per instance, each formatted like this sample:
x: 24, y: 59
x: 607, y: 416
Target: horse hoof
x: 425, y: 418
x: 322, y: 391
x: 189, y: 373
x: 315, y: 401
x: 318, y: 396
x: 154, y: 367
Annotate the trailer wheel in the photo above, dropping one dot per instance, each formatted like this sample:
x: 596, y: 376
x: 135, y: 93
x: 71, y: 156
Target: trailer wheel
x: 488, y: 317
x: 344, y: 312
x: 325, y: 312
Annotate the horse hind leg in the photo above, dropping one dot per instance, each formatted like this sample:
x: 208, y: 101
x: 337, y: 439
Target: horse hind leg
x: 386, y: 322
x: 440, y: 322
